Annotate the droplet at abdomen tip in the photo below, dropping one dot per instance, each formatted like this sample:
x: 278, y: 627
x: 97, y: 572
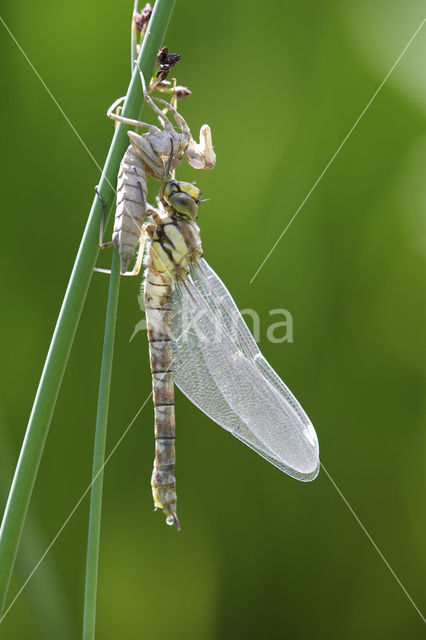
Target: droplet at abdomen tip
x: 173, y: 519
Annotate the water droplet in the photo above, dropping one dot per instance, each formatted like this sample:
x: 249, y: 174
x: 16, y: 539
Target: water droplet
x: 170, y: 520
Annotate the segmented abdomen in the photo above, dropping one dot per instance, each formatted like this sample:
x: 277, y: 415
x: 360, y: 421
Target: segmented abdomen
x: 131, y: 206
x: 158, y: 290
x: 173, y: 246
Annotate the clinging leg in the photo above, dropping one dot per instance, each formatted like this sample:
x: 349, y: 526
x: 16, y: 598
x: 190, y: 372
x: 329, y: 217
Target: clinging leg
x: 166, y: 122
x: 141, y: 250
x: 134, y: 123
x: 166, y: 175
x: 180, y: 121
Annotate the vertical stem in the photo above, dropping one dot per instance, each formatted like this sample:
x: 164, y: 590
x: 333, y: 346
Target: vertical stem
x: 69, y: 316
x: 92, y: 560
x: 133, y: 39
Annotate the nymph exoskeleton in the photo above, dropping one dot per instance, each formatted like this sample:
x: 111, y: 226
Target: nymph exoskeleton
x: 148, y: 154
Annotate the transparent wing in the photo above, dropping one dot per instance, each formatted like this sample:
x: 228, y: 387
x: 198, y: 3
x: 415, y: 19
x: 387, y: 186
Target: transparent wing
x: 219, y: 367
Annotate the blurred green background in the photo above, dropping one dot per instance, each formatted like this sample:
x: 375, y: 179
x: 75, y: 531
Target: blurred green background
x: 260, y: 554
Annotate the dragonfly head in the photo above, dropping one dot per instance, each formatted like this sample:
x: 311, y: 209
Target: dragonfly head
x: 183, y: 197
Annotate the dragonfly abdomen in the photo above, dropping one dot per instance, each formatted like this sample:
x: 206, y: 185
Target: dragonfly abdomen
x: 174, y: 244
x: 158, y: 317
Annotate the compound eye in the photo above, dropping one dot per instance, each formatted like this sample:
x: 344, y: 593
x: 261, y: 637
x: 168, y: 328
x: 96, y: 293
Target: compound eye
x: 185, y: 205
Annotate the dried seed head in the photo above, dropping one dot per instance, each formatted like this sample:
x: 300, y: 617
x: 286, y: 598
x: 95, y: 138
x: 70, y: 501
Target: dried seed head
x: 162, y: 56
x: 166, y: 59
x: 141, y: 19
x: 164, y: 69
x: 162, y: 73
x: 173, y: 59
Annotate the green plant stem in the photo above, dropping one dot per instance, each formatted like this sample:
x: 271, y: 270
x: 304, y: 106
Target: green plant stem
x: 92, y: 559
x: 66, y: 326
x: 133, y: 38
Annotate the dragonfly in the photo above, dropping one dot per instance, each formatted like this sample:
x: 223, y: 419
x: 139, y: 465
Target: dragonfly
x: 148, y: 154
x: 199, y: 342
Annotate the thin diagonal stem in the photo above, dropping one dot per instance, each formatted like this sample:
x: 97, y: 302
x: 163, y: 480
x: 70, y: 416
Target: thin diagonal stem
x: 66, y: 326
x: 92, y: 559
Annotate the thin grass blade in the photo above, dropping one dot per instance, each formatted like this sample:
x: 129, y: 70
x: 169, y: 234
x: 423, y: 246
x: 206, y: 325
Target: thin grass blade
x: 66, y: 326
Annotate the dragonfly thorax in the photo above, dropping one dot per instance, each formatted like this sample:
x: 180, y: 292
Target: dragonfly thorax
x: 175, y: 241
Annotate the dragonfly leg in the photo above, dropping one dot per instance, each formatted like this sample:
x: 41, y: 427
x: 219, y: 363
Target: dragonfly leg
x: 135, y: 123
x: 136, y: 269
x: 116, y: 108
x: 166, y: 176
x: 116, y: 104
x: 149, y: 101
x: 139, y: 259
x: 180, y: 121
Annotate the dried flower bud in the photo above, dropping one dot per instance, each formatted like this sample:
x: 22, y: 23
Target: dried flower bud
x: 146, y: 12
x: 162, y: 56
x: 162, y: 73
x: 173, y: 59
x: 182, y: 92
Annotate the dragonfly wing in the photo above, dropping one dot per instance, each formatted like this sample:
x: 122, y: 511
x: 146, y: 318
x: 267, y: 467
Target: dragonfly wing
x: 218, y: 366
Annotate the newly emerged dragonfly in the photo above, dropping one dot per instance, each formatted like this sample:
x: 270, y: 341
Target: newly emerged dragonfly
x: 199, y: 341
